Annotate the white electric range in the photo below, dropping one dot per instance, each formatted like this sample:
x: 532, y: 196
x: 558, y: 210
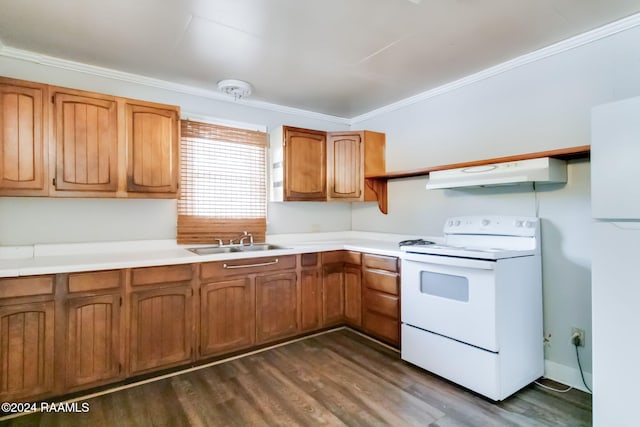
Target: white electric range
x: 472, y: 306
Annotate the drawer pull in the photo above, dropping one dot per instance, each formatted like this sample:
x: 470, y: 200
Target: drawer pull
x: 262, y: 264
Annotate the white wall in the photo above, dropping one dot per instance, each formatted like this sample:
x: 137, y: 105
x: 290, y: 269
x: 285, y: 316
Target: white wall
x: 539, y: 106
x: 25, y: 221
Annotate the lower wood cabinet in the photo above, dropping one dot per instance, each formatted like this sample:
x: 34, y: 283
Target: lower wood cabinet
x: 27, y: 318
x: 353, y: 295
x: 381, y: 298
x: 93, y: 340
x: 276, y: 306
x: 310, y: 293
x: 26, y: 349
x: 161, y: 317
x: 341, y: 288
x: 227, y: 316
x: 160, y: 328
x: 93, y: 329
x: 106, y: 326
x: 332, y: 294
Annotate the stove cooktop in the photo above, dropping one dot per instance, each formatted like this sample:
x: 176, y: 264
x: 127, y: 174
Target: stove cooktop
x: 466, y: 252
x: 415, y: 242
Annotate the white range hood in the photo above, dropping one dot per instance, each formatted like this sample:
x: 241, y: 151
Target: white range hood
x: 544, y: 170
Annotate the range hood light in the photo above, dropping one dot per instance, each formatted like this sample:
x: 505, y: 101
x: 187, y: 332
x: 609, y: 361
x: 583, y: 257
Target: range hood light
x: 544, y: 170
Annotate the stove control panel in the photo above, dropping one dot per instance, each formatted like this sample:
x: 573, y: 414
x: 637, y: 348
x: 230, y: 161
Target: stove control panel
x: 492, y: 225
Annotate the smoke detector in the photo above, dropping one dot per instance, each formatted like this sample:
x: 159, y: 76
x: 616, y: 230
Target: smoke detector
x: 236, y: 88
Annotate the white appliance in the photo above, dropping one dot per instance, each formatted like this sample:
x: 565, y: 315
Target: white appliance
x: 544, y: 170
x: 615, y: 287
x: 472, y: 307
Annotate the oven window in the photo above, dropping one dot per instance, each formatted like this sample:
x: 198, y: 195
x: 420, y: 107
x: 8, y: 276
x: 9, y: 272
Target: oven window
x: 444, y: 286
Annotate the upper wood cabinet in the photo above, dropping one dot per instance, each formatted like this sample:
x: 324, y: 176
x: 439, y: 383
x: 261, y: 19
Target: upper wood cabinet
x: 304, y: 164
x: 345, y: 158
x: 23, y: 148
x: 85, y: 129
x: 152, y: 133
x: 64, y: 142
x: 350, y: 157
x: 325, y: 166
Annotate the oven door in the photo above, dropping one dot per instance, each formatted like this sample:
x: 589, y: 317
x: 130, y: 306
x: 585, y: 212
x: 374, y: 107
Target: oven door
x: 449, y: 296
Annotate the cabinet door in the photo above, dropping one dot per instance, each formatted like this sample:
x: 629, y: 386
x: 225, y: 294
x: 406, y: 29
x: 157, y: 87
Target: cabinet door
x: 227, y: 316
x: 345, y: 166
x: 93, y: 340
x: 22, y: 147
x: 310, y: 300
x: 86, y: 136
x: 352, y: 295
x: 26, y: 350
x: 332, y: 294
x: 304, y: 164
x: 276, y: 306
x: 152, y: 146
x: 160, y: 328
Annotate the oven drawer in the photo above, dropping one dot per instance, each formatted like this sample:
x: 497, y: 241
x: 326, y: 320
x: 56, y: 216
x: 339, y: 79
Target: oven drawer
x: 468, y: 366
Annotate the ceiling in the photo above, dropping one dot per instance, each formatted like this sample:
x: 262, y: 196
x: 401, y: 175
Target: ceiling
x: 338, y: 57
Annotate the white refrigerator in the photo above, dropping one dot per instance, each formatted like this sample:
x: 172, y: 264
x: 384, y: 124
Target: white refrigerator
x: 615, y: 204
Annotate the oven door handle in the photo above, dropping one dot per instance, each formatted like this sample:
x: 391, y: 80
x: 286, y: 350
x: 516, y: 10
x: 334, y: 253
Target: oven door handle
x: 449, y: 261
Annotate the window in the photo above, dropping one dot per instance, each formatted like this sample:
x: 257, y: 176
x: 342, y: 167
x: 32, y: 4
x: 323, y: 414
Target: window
x: 223, y: 183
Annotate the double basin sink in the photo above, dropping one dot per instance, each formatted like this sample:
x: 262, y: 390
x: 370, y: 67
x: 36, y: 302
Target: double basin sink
x: 210, y: 250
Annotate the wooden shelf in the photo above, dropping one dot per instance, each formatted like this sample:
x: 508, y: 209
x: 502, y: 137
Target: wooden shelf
x: 562, y: 153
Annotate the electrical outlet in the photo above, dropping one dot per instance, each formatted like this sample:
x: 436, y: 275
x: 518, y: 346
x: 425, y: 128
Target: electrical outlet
x: 580, y: 333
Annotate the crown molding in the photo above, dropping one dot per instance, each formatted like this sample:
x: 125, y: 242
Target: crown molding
x: 554, y: 49
x: 52, y: 61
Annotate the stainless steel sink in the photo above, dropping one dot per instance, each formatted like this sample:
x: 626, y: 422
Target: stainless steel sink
x: 210, y: 250
x: 258, y: 247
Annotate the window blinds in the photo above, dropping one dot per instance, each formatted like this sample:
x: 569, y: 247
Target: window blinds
x: 223, y: 183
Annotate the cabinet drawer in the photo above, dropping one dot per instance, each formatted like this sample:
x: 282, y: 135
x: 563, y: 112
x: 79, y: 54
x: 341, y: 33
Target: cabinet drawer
x: 381, y: 281
x: 382, y: 326
x: 26, y: 286
x: 349, y: 257
x: 382, y: 303
x: 83, y: 282
x: 164, y: 274
x: 230, y: 267
x: 380, y: 262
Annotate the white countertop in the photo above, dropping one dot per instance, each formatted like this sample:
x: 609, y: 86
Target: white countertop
x: 75, y: 257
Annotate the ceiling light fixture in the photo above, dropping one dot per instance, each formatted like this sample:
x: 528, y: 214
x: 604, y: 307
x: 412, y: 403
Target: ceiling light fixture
x: 236, y: 88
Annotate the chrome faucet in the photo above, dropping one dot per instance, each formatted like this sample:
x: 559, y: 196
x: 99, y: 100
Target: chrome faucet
x: 246, y: 235
x: 220, y: 243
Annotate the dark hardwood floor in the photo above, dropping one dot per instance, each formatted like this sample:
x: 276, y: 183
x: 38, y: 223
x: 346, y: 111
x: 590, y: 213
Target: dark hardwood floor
x: 338, y: 378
